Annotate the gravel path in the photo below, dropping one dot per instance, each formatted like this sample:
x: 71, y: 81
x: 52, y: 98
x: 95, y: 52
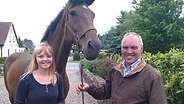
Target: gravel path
x: 3, y: 92
x: 72, y: 98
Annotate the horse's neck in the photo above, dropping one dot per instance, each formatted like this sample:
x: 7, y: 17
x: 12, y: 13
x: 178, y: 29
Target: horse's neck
x: 62, y: 57
x: 61, y: 53
x: 61, y: 46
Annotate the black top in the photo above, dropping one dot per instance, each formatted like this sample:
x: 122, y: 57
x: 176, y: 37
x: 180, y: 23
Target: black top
x: 36, y: 93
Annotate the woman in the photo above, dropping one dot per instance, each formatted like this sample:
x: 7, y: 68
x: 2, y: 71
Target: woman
x: 41, y: 84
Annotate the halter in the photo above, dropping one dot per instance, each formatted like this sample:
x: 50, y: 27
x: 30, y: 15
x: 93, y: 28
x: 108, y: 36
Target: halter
x: 77, y: 37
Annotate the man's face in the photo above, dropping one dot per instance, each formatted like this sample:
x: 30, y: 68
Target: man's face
x: 131, y: 49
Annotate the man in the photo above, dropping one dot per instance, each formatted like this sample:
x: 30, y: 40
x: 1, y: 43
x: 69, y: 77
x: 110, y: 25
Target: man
x: 131, y: 82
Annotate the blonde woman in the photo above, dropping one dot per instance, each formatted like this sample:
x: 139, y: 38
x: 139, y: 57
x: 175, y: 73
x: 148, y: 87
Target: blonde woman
x: 41, y: 84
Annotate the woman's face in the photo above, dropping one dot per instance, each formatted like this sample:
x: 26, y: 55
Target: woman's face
x: 44, y: 59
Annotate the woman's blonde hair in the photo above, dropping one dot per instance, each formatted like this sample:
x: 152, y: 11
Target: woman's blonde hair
x: 34, y: 65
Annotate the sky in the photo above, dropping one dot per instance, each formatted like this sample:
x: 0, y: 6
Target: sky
x: 31, y: 17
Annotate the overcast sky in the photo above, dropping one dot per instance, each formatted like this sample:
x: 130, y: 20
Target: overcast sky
x: 31, y: 17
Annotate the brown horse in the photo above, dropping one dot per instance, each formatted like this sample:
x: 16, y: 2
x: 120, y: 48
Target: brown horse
x: 73, y: 25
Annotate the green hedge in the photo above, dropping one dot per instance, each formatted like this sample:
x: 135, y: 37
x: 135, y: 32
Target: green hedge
x: 171, y: 67
x: 90, y: 65
x: 76, y: 56
x: 2, y: 59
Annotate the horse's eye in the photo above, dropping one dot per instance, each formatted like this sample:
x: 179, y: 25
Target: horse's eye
x: 72, y: 13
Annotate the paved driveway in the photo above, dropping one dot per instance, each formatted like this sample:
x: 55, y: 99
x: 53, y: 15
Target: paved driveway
x: 74, y: 77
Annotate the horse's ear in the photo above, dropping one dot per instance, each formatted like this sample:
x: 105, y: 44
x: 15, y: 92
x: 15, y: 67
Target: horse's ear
x: 89, y: 2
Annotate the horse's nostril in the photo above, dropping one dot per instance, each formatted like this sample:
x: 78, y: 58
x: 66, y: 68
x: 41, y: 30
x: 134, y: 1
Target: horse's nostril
x: 92, y: 50
x: 91, y: 46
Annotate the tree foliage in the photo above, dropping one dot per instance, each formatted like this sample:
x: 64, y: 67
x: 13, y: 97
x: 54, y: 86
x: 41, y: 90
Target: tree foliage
x: 110, y: 41
x: 159, y: 22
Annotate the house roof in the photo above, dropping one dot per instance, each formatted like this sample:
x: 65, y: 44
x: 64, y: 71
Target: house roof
x: 4, y: 29
x: 28, y: 45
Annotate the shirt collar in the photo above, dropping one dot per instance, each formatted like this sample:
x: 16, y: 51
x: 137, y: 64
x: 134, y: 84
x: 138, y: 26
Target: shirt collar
x: 132, y: 65
x: 128, y: 70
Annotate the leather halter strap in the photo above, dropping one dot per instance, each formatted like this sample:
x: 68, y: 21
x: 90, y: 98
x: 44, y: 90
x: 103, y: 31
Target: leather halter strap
x: 77, y: 37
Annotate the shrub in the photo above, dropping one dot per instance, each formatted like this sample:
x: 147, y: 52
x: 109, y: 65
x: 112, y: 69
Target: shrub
x: 171, y: 67
x: 103, y: 66
x: 2, y: 59
x: 90, y: 65
x: 102, y: 54
x: 76, y: 56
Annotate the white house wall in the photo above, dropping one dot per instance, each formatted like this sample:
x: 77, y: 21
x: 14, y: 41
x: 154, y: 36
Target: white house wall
x: 11, y: 46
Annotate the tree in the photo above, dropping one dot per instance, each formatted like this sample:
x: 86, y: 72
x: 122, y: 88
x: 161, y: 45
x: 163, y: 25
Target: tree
x: 159, y: 22
x: 20, y: 42
x: 111, y: 40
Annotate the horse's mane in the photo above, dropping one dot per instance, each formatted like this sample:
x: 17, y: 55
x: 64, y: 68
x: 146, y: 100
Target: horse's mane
x: 52, y: 26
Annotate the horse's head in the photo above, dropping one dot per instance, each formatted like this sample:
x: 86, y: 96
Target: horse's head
x: 79, y: 22
x: 74, y: 25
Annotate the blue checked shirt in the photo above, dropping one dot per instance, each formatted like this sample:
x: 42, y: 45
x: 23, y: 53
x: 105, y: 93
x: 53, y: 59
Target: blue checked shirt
x: 128, y: 70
